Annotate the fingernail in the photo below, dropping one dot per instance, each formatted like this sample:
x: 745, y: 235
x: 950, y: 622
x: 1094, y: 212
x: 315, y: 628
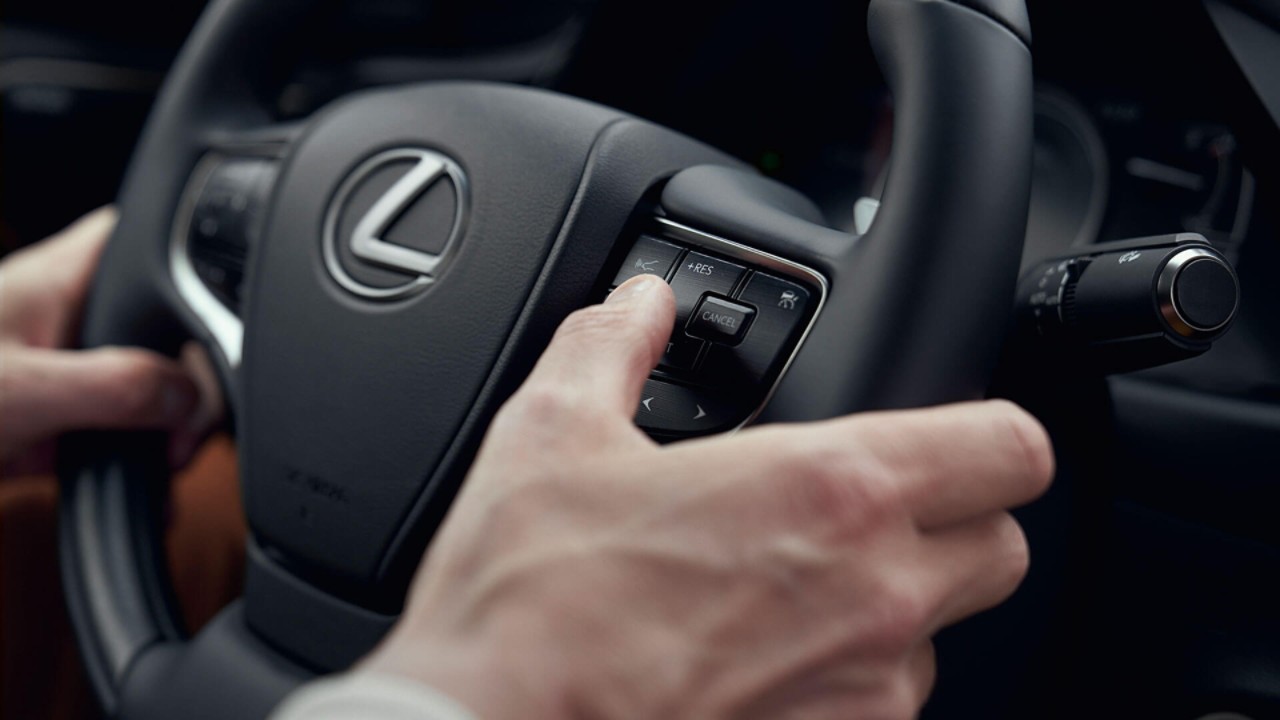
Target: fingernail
x: 635, y: 288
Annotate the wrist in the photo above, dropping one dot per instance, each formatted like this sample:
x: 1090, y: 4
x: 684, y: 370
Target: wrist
x: 495, y: 680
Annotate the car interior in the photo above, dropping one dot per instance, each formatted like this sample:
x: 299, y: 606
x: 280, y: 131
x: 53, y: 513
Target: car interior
x: 374, y: 214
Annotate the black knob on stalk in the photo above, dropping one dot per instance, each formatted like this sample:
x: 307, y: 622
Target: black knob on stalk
x: 1129, y: 305
x: 1198, y: 293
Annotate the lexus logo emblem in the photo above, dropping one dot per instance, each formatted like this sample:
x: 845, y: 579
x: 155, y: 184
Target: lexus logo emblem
x: 355, y: 232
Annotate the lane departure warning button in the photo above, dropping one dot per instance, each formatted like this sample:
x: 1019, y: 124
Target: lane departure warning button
x: 720, y: 321
x: 649, y: 256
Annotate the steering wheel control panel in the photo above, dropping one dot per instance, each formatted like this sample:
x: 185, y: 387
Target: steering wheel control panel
x: 226, y: 213
x: 218, y: 219
x: 1129, y: 305
x: 740, y: 318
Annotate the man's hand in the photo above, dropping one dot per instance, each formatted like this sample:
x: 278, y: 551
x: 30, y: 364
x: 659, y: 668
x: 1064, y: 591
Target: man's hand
x: 785, y: 572
x: 46, y: 390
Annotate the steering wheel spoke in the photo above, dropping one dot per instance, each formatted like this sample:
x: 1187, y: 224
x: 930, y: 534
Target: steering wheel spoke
x: 219, y: 219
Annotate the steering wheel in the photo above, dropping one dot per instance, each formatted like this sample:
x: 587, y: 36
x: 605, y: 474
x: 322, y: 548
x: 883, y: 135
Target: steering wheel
x: 362, y: 370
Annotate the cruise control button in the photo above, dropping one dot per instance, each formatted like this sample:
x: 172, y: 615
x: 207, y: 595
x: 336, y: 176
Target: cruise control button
x: 669, y: 409
x: 781, y: 307
x: 698, y: 275
x: 720, y: 321
x: 649, y: 256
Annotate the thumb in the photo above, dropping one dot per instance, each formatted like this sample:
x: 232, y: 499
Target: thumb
x: 44, y: 393
x: 601, y: 355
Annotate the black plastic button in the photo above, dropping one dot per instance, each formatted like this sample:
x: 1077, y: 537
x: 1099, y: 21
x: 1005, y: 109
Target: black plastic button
x: 781, y: 307
x: 649, y: 256
x: 682, y: 353
x: 720, y: 321
x: 1204, y: 294
x: 671, y: 409
x: 698, y: 275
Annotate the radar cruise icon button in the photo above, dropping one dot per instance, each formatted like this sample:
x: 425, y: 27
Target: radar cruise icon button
x: 649, y: 256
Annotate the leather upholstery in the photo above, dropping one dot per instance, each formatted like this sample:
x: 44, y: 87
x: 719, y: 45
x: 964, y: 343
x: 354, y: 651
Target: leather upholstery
x: 40, y: 672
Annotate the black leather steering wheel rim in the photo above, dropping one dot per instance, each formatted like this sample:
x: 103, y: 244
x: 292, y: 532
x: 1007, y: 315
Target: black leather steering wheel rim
x: 916, y: 315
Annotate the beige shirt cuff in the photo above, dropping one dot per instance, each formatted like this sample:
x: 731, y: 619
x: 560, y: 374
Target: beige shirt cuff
x: 369, y: 696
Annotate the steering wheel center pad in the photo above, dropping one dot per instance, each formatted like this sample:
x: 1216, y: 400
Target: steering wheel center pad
x: 349, y: 404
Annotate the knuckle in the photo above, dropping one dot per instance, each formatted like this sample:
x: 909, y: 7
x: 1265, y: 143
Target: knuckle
x: 545, y: 409
x: 923, y: 674
x: 1011, y: 549
x: 824, y: 488
x: 842, y: 490
x: 539, y: 404
x: 903, y: 699
x: 131, y: 382
x: 1032, y: 442
x: 516, y: 511
x: 898, y: 615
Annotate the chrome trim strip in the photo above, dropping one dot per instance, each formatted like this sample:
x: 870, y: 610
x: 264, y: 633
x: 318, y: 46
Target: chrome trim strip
x: 225, y: 327
x: 720, y: 245
x: 864, y: 214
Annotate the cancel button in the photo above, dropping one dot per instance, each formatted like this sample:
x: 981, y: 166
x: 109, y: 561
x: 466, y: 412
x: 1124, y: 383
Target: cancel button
x: 720, y: 321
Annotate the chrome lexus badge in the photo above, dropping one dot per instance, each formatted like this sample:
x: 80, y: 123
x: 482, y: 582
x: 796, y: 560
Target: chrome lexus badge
x: 373, y: 201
